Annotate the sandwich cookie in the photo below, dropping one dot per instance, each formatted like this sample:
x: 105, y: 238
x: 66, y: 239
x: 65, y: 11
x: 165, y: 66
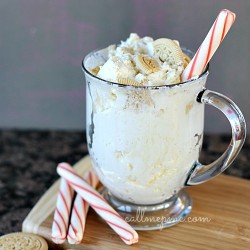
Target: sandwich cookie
x: 22, y: 241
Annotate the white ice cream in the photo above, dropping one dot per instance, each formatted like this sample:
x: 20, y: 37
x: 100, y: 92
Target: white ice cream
x: 121, y: 63
x: 142, y: 141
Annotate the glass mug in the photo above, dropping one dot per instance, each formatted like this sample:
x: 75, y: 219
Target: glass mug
x: 144, y: 143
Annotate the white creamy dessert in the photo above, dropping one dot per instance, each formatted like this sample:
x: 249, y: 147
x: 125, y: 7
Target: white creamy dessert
x: 143, y: 139
x: 144, y: 62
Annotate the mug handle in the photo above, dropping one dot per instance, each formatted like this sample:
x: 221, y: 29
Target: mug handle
x: 201, y: 173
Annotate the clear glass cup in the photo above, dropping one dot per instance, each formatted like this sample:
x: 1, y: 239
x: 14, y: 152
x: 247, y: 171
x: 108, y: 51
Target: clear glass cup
x: 145, y: 142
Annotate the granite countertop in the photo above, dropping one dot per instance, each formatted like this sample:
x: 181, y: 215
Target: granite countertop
x: 28, y: 162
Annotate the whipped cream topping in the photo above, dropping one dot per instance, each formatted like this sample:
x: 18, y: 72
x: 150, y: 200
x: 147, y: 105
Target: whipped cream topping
x: 134, y: 58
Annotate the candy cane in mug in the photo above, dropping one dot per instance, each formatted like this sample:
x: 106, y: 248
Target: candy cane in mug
x: 215, y: 36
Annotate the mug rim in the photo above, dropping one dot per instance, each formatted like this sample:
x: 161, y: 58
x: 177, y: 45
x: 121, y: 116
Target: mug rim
x: 192, y: 80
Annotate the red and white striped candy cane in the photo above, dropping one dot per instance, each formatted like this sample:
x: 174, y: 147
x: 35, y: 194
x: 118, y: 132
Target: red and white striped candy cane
x: 62, y: 212
x: 79, y: 212
x: 98, y: 203
x: 215, y: 36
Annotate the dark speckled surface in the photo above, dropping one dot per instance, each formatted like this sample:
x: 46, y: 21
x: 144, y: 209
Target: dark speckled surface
x: 28, y: 162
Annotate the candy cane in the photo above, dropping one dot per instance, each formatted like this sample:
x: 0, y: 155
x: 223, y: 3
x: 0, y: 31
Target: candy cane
x: 62, y: 213
x: 79, y: 212
x: 97, y: 202
x: 215, y: 36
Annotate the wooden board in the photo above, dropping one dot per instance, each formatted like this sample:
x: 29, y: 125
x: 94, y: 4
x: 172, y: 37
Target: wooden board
x: 225, y: 201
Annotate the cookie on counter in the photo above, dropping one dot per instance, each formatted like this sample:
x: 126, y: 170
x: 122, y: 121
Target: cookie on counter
x: 22, y: 241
